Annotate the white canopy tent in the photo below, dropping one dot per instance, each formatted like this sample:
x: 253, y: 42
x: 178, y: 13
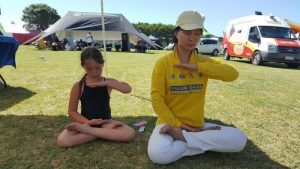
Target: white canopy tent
x: 75, y: 26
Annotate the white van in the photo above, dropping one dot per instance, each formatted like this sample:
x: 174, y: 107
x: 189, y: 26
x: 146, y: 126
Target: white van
x: 261, y: 38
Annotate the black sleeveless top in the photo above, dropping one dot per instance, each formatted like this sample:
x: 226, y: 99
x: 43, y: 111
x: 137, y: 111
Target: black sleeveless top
x: 95, y: 102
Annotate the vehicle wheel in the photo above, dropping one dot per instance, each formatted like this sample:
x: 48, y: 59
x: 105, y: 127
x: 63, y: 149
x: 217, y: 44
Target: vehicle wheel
x: 257, y: 58
x: 215, y: 52
x: 292, y: 65
x: 226, y: 55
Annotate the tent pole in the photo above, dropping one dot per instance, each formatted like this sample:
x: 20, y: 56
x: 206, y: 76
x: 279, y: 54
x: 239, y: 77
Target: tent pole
x: 103, y: 37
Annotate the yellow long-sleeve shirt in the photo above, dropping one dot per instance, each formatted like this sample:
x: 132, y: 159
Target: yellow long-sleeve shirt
x: 178, y: 95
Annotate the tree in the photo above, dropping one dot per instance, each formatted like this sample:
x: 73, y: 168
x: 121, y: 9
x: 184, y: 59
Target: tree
x: 162, y: 31
x: 39, y: 17
x: 156, y: 29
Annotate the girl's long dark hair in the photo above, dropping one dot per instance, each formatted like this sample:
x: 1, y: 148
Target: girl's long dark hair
x: 89, y: 53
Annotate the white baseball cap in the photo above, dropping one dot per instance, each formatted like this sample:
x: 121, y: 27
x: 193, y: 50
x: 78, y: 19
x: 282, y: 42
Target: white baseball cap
x: 189, y: 20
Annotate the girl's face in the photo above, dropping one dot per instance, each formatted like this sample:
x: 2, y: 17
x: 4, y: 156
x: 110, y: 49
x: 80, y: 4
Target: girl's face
x: 188, y: 39
x: 92, y: 67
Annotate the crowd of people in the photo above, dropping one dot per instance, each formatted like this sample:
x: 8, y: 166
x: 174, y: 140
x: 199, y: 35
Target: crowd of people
x: 53, y: 43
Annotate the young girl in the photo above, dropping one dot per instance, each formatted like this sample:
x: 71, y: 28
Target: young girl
x: 95, y: 120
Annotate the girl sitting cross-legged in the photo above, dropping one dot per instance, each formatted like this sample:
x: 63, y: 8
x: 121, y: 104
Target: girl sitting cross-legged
x: 93, y: 92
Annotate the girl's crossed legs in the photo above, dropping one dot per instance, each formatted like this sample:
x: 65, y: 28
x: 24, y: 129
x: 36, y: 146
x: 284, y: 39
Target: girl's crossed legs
x: 164, y: 149
x: 77, y: 133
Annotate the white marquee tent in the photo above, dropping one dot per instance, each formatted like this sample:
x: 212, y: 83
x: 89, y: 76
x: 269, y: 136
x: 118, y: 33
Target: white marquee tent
x: 75, y: 26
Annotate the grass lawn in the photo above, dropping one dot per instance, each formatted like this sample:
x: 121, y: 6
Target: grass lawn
x: 264, y: 102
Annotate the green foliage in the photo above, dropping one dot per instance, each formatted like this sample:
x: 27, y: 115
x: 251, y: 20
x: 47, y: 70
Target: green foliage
x: 156, y: 29
x: 39, y: 16
x: 263, y: 102
x: 162, y: 31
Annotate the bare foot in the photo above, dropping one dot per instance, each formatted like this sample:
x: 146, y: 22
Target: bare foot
x: 212, y: 128
x: 82, y: 128
x: 165, y: 129
x: 112, y: 124
x: 116, y: 124
x: 176, y: 133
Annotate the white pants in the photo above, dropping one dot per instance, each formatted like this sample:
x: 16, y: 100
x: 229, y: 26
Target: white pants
x: 163, y: 149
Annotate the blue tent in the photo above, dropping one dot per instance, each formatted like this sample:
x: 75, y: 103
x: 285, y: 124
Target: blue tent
x: 8, y: 49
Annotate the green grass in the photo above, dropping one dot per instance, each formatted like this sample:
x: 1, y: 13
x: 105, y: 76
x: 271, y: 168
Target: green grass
x: 263, y: 102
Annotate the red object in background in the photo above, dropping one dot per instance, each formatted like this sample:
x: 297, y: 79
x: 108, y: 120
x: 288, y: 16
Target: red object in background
x: 287, y: 43
x: 23, y: 37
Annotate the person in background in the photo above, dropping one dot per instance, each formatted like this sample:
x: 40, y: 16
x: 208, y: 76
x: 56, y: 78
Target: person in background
x: 89, y: 40
x: 179, y: 82
x: 80, y: 45
x: 93, y: 92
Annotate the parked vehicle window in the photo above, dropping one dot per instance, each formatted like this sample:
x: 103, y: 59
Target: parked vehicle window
x: 253, y: 34
x: 208, y: 42
x: 276, y: 32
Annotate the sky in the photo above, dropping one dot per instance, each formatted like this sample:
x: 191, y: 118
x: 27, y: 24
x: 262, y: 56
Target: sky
x: 217, y: 12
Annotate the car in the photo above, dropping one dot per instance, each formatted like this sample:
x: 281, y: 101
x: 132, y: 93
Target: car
x: 169, y: 47
x: 209, y: 46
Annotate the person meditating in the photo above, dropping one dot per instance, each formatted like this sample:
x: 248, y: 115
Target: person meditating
x: 179, y: 82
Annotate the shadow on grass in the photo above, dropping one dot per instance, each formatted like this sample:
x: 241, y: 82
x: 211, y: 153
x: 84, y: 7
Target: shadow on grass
x: 266, y: 64
x: 141, y: 97
x: 12, y: 95
x: 30, y: 143
x: 133, y: 52
x: 278, y: 65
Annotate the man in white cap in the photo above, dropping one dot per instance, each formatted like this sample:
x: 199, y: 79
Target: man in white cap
x: 179, y: 82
